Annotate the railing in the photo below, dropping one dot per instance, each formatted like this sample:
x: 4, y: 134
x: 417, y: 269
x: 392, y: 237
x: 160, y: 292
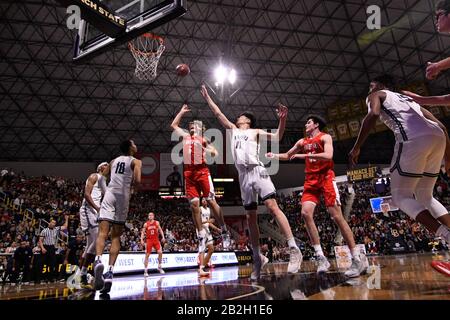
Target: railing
x: 28, y: 215
x: 9, y: 203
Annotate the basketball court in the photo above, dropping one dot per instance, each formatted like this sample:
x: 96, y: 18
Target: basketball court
x: 402, y: 277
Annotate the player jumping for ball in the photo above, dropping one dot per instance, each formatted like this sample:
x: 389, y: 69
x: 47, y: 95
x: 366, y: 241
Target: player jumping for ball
x: 254, y: 179
x: 197, y: 178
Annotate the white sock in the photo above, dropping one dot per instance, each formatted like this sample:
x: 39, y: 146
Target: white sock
x: 442, y: 231
x: 99, y: 258
x: 356, y: 254
x: 291, y: 243
x: 110, y: 268
x: 83, y: 270
x: 318, y: 250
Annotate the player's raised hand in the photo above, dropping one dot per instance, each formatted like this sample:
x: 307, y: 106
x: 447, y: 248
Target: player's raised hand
x: 204, y: 92
x: 433, y: 70
x: 185, y: 108
x: 282, y: 111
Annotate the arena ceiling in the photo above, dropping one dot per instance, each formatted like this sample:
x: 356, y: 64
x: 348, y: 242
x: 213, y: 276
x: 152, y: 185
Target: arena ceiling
x: 307, y: 54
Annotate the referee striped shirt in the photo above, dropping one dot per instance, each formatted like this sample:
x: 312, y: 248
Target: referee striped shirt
x: 50, y: 236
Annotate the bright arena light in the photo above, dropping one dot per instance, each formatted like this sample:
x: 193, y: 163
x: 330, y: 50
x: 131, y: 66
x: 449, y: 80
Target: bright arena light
x: 220, y: 74
x: 232, y: 76
x: 223, y: 73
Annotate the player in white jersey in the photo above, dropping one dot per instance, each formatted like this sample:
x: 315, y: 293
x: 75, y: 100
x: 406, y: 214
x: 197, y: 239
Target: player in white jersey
x: 94, y: 190
x: 421, y: 143
x: 207, y: 224
x: 125, y: 171
x: 255, y: 181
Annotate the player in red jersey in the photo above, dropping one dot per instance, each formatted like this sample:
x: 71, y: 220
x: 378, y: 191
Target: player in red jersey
x: 317, y: 151
x: 197, y: 179
x: 150, y: 232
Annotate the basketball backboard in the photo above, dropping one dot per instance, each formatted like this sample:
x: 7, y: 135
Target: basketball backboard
x: 141, y: 16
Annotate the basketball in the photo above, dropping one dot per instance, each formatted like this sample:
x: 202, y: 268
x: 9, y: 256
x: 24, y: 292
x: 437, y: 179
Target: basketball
x: 183, y: 70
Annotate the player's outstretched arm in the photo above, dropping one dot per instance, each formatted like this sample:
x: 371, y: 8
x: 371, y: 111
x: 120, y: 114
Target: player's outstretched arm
x: 429, y: 100
x: 434, y: 68
x: 287, y: 155
x: 282, y: 112
x: 374, y: 103
x: 227, y: 124
x: 175, y: 125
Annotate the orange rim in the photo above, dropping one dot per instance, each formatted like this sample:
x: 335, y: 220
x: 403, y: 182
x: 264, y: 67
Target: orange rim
x: 133, y: 48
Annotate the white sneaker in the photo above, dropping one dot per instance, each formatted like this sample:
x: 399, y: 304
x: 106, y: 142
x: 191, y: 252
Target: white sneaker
x: 259, y: 261
x: 295, y: 260
x: 145, y: 273
x: 323, y: 264
x: 264, y: 261
x: 160, y: 270
x: 356, y: 269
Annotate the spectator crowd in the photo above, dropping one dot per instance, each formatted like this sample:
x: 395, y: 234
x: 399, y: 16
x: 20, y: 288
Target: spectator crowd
x: 46, y: 198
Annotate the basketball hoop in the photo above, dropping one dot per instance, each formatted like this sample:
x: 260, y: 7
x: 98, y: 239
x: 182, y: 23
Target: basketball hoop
x: 146, y: 50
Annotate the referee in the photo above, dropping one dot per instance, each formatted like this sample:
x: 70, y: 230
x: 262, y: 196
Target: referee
x: 47, y: 242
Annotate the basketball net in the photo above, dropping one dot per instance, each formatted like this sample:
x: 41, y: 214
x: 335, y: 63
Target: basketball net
x: 146, y: 50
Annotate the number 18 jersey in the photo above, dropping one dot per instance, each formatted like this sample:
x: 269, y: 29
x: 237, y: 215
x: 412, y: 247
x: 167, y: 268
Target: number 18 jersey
x: 121, y: 173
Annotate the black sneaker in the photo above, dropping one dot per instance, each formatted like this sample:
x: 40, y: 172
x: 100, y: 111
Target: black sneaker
x: 99, y: 281
x: 108, y: 277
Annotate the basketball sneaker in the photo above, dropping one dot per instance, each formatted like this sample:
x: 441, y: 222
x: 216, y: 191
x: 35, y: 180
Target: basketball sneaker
x: 99, y: 282
x: 322, y: 264
x: 160, y: 269
x: 108, y: 277
x: 442, y: 267
x: 356, y: 269
x: 295, y: 260
x: 259, y: 262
